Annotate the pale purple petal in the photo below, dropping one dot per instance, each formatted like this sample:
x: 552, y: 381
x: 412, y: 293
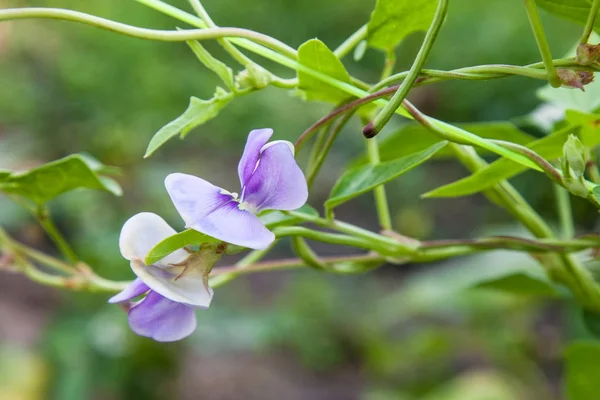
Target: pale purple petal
x: 133, y: 290
x: 256, y: 140
x: 278, y: 183
x: 161, y: 319
x: 141, y: 233
x: 176, y: 283
x: 232, y: 225
x: 193, y: 197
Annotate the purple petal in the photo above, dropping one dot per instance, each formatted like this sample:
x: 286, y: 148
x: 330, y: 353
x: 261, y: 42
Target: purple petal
x: 161, y: 319
x: 232, y: 225
x: 133, y: 290
x: 256, y: 140
x: 193, y: 197
x: 278, y: 183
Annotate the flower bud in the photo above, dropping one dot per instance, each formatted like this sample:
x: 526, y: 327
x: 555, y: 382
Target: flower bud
x: 574, y: 79
x: 574, y: 157
x: 588, y: 53
x: 253, y: 76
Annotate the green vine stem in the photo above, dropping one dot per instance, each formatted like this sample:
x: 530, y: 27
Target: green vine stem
x: 45, y: 220
x: 346, y: 47
x: 542, y: 43
x: 589, y: 25
x: 381, y: 203
x: 565, y: 214
x: 148, y: 34
x: 382, y: 118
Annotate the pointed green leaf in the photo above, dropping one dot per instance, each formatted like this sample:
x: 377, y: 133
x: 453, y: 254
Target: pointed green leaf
x: 315, y: 54
x: 198, y: 112
x: 413, y: 137
x: 219, y: 68
x: 549, y: 147
x: 583, y: 370
x: 393, y: 20
x: 45, y: 182
x: 188, y: 237
x: 521, y: 284
x: 362, y: 179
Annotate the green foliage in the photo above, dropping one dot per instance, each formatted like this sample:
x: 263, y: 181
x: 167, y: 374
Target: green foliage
x: 273, y: 218
x: 591, y: 320
x: 362, y: 179
x: 393, y: 20
x: 549, y: 147
x: 582, y: 370
x: 574, y: 10
x: 574, y: 156
x: 188, y: 237
x: 45, y: 182
x: 413, y: 137
x: 198, y: 112
x: 219, y: 68
x: 521, y: 284
x: 316, y: 55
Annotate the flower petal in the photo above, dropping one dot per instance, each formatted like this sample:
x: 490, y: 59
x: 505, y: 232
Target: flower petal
x: 175, y: 283
x: 256, y: 140
x: 161, y: 319
x: 142, y: 232
x: 278, y: 183
x: 133, y: 290
x: 232, y: 225
x: 193, y: 197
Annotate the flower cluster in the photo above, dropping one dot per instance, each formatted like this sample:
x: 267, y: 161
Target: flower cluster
x: 172, y: 288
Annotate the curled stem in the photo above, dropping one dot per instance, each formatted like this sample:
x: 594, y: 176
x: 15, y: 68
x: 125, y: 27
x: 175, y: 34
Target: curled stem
x: 589, y: 25
x: 542, y: 43
x: 148, y: 34
x: 390, y: 108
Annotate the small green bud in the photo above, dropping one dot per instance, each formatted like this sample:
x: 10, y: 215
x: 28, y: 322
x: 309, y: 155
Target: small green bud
x: 588, y: 53
x: 253, y: 76
x: 359, y: 50
x: 574, y: 154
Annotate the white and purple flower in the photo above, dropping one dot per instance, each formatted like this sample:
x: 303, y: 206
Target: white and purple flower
x: 172, y: 288
x: 171, y: 291
x: 270, y: 179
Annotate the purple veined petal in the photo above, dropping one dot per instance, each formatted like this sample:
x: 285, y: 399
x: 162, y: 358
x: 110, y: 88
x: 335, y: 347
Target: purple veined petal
x: 256, y: 140
x: 278, y: 183
x: 232, y: 225
x: 193, y: 197
x: 133, y: 290
x: 161, y: 319
x: 175, y: 283
x: 142, y: 232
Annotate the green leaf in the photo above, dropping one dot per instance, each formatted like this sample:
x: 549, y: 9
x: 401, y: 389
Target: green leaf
x: 45, y: 182
x: 362, y: 179
x: 273, y: 219
x: 549, y: 147
x: 179, y: 240
x: 574, y: 10
x: 521, y: 284
x: 315, y: 54
x: 582, y: 370
x: 219, y: 68
x: 198, y: 112
x: 4, y: 174
x: 393, y: 20
x: 591, y: 320
x: 413, y: 137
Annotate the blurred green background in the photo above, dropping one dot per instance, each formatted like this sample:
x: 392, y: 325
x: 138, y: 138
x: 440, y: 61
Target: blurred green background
x: 410, y: 332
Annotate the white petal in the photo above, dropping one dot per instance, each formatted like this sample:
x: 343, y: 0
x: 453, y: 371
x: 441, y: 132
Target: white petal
x: 142, y: 232
x: 189, y: 289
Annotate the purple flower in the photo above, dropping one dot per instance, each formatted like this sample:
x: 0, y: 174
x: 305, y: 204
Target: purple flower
x: 172, y: 292
x: 270, y: 179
